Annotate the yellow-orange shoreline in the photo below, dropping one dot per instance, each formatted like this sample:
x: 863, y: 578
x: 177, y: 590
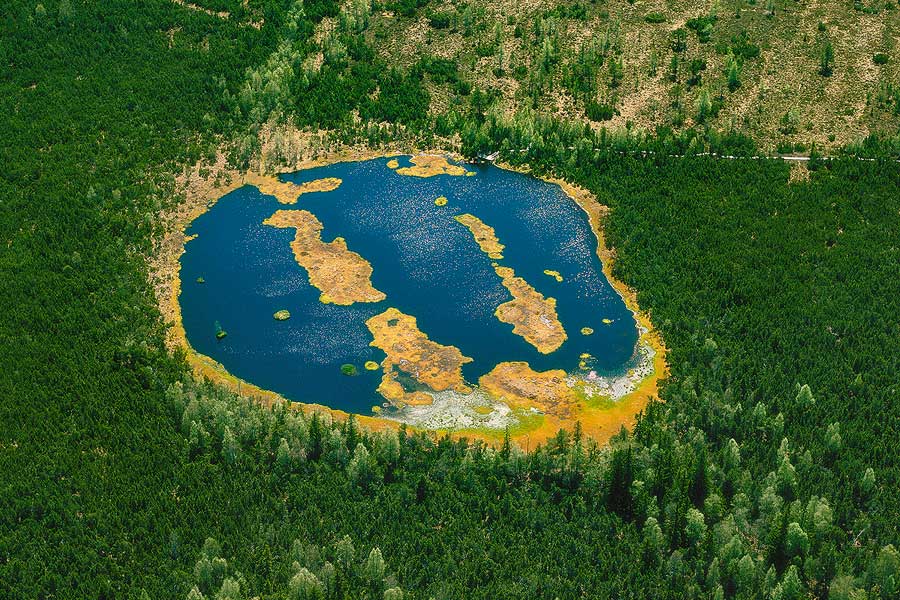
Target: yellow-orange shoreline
x: 601, y: 424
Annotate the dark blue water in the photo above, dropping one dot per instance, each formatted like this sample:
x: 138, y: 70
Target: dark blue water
x: 428, y: 265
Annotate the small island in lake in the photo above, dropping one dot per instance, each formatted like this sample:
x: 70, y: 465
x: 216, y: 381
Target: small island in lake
x: 484, y: 235
x: 343, y: 277
x: 554, y: 274
x: 531, y: 314
x: 410, y: 352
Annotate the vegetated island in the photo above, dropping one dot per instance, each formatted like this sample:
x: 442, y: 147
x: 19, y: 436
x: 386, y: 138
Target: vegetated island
x: 554, y: 274
x: 343, y: 276
x: 429, y: 166
x: 531, y: 314
x: 410, y: 352
x: 287, y: 192
x: 484, y: 235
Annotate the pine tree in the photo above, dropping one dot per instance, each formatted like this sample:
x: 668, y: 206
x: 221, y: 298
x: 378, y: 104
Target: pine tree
x: 620, y: 478
x: 65, y: 11
x: 704, y: 109
x: 230, y: 590
x: 734, y: 73
x: 796, y: 541
x: 833, y: 440
x: 804, y: 396
x: 283, y: 457
x: 315, y: 437
x: 616, y: 72
x: 344, y: 552
x: 505, y: 448
x: 195, y: 594
x: 654, y: 540
x: 360, y: 470
x: 867, y: 484
x: 787, y: 479
x: 229, y: 447
x: 790, y: 587
x: 826, y: 60
x: 305, y: 586
x: 745, y: 575
x: 885, y: 572
x: 695, y: 530
x: 351, y: 433
x: 700, y: 479
x: 373, y: 567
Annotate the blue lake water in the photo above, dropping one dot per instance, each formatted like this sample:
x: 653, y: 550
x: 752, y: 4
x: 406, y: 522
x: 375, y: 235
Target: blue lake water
x: 427, y: 264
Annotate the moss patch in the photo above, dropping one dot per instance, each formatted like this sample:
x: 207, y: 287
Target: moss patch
x: 554, y: 274
x: 484, y: 235
x: 343, y: 277
x: 410, y: 354
x: 429, y: 166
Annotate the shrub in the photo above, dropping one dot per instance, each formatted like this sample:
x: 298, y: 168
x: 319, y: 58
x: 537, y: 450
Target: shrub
x: 596, y: 111
x: 742, y: 46
x: 439, y: 20
x: 696, y: 66
x: 679, y: 40
x: 484, y: 50
x: 702, y: 26
x: 880, y: 58
x: 655, y: 17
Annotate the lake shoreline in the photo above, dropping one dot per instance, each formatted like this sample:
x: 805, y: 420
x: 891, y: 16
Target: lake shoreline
x: 652, y: 368
x: 629, y: 392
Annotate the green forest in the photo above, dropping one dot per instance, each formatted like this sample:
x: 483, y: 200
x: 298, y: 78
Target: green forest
x: 766, y: 469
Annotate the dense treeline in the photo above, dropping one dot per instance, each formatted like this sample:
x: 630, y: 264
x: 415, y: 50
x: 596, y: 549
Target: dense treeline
x: 96, y: 99
x: 768, y: 471
x: 462, y: 520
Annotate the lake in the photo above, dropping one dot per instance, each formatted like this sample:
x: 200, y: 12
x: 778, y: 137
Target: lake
x: 237, y: 272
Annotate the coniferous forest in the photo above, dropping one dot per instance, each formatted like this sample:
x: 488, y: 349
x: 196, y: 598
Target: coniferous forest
x: 767, y: 468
